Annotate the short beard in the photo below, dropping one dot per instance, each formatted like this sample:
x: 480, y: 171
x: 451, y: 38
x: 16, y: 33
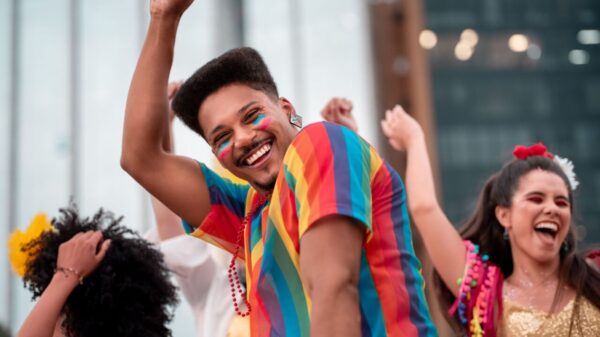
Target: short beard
x: 266, y: 187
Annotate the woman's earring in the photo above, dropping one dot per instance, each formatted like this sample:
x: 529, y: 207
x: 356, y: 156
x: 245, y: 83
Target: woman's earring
x: 505, y: 235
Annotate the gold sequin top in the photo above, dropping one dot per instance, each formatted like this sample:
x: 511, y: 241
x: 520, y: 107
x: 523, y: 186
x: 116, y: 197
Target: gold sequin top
x: 480, y: 292
x: 519, y: 321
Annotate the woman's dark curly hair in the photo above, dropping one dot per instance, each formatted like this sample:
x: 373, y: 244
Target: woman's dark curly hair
x: 129, y: 294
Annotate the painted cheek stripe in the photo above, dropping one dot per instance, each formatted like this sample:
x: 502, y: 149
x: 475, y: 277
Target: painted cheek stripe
x: 258, y: 119
x: 224, y: 150
x: 263, y: 122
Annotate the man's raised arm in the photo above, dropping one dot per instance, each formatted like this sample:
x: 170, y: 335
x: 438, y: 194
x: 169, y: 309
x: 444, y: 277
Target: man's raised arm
x: 176, y: 181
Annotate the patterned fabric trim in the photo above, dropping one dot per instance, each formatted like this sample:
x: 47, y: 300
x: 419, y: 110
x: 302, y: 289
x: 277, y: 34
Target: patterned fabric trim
x: 480, y: 294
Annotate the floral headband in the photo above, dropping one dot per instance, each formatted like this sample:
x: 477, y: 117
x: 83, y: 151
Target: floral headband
x: 521, y: 152
x: 18, y: 252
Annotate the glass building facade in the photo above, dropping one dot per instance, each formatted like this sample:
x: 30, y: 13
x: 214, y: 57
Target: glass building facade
x: 509, y: 72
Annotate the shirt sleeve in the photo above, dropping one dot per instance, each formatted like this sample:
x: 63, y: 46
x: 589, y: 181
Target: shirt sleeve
x: 328, y: 170
x: 193, y: 266
x: 227, y: 208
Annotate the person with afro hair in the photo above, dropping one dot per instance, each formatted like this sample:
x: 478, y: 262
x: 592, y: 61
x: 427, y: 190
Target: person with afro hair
x: 95, y: 277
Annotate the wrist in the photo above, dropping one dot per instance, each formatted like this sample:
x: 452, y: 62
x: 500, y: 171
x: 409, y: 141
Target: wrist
x: 69, y: 272
x: 64, y: 280
x: 164, y: 27
x: 165, y: 17
x: 416, y: 138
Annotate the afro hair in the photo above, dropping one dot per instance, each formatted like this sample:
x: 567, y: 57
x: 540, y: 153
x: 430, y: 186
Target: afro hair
x: 129, y: 294
x: 240, y: 65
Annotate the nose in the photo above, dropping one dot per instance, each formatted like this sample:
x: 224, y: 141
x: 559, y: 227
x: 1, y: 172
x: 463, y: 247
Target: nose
x: 244, y: 136
x: 551, y: 208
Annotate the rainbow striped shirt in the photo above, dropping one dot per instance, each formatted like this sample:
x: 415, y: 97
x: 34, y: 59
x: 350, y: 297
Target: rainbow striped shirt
x: 327, y: 170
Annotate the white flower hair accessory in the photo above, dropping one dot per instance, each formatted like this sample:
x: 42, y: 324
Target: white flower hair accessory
x: 567, y: 166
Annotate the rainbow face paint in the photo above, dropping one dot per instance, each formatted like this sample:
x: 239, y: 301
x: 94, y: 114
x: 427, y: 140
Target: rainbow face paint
x: 262, y: 122
x: 224, y: 150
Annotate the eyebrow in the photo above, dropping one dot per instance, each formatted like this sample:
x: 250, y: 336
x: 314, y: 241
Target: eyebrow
x: 240, y: 111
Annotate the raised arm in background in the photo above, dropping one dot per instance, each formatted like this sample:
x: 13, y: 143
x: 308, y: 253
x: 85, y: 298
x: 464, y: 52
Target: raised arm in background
x: 442, y: 241
x: 175, y: 180
x: 339, y: 110
x: 168, y: 224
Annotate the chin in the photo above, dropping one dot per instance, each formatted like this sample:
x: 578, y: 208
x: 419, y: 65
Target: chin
x: 544, y: 257
x: 266, y: 185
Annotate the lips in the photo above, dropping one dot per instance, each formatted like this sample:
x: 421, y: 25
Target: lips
x: 547, y: 231
x: 255, y: 155
x: 259, y: 153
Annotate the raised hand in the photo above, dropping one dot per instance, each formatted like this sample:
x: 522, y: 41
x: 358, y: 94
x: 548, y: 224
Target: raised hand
x: 400, y: 128
x: 339, y: 110
x: 169, y: 7
x: 82, y: 254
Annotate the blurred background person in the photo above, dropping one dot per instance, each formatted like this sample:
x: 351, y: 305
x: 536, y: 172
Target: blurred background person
x: 93, y: 277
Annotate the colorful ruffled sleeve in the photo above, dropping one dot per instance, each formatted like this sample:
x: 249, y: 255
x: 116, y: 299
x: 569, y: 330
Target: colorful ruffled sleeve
x: 480, y: 294
x: 227, y: 209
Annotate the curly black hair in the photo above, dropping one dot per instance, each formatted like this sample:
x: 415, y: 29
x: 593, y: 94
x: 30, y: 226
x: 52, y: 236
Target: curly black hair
x: 241, y: 65
x: 129, y: 294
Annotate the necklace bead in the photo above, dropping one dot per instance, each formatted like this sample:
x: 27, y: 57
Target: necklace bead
x: 234, y: 278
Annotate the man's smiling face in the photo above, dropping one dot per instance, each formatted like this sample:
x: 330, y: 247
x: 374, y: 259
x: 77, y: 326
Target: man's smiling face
x: 249, y: 132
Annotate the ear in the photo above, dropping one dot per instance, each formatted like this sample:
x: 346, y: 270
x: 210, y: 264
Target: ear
x: 287, y: 107
x: 290, y: 111
x: 503, y: 216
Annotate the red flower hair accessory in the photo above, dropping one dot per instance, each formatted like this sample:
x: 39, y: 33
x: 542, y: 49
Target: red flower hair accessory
x: 539, y: 149
x: 521, y: 152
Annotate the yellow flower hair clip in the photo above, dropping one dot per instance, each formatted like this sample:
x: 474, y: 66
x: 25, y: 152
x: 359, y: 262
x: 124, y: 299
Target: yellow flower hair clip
x: 18, y: 255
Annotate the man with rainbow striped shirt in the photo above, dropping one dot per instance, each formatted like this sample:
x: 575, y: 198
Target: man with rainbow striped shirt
x: 322, y: 226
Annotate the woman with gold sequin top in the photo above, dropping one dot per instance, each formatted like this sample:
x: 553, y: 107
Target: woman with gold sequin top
x: 518, y: 270
x: 515, y: 260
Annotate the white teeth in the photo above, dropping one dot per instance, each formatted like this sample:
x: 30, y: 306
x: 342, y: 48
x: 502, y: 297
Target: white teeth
x: 547, y: 225
x: 264, y: 149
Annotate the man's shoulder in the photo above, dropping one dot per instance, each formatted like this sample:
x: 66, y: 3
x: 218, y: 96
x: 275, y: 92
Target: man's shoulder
x: 322, y: 133
x: 313, y: 129
x: 325, y: 141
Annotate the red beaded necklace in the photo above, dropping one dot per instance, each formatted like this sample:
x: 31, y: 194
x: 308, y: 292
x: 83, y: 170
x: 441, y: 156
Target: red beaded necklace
x: 232, y: 275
